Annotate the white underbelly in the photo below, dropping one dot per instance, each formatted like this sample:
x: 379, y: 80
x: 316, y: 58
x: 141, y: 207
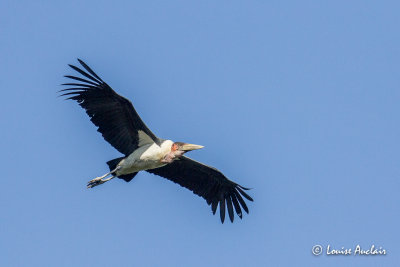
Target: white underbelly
x: 144, y: 158
x: 140, y: 165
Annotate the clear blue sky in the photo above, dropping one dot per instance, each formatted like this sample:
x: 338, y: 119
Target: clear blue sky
x: 299, y: 100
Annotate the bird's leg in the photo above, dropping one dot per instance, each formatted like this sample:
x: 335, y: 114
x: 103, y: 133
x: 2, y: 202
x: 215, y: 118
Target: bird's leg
x: 98, y: 181
x: 101, y: 177
x: 101, y: 180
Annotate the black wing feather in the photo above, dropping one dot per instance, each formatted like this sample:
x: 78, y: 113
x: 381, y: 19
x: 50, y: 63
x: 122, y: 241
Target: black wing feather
x: 207, y: 182
x: 81, y: 80
x: 237, y: 206
x: 244, y: 193
x: 114, y: 115
x: 89, y: 70
x: 214, y: 206
x: 241, y: 201
x: 230, y: 207
x: 222, y: 208
x: 84, y: 73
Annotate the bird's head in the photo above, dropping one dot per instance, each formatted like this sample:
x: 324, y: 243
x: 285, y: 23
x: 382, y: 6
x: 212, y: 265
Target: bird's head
x: 182, y: 148
x: 178, y: 149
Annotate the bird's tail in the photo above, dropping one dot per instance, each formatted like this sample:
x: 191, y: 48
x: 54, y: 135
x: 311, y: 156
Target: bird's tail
x: 112, y: 164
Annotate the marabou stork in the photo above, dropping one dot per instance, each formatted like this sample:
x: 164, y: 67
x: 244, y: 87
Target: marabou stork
x: 121, y: 126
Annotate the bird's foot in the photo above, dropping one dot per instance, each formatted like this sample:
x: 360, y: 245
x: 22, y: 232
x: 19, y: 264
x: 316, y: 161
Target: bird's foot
x: 95, y: 182
x: 100, y: 180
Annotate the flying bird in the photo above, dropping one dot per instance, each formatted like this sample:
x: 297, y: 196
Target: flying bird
x: 121, y: 126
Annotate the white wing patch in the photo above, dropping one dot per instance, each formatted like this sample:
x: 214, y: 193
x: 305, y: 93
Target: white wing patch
x: 144, y: 139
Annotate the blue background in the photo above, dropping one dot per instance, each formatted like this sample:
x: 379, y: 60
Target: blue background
x: 297, y: 99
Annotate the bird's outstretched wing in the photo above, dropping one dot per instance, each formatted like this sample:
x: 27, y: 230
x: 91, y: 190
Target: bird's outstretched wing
x: 114, y: 115
x: 207, y: 182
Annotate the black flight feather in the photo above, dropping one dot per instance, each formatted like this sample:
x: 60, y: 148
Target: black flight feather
x: 230, y: 207
x: 81, y: 80
x: 222, y: 208
x: 89, y: 70
x: 237, y: 206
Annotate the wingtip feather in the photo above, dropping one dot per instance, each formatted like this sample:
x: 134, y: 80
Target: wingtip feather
x: 230, y: 208
x: 244, y: 194
x: 222, y: 209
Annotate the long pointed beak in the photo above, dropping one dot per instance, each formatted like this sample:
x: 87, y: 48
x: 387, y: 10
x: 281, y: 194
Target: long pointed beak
x: 190, y: 147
